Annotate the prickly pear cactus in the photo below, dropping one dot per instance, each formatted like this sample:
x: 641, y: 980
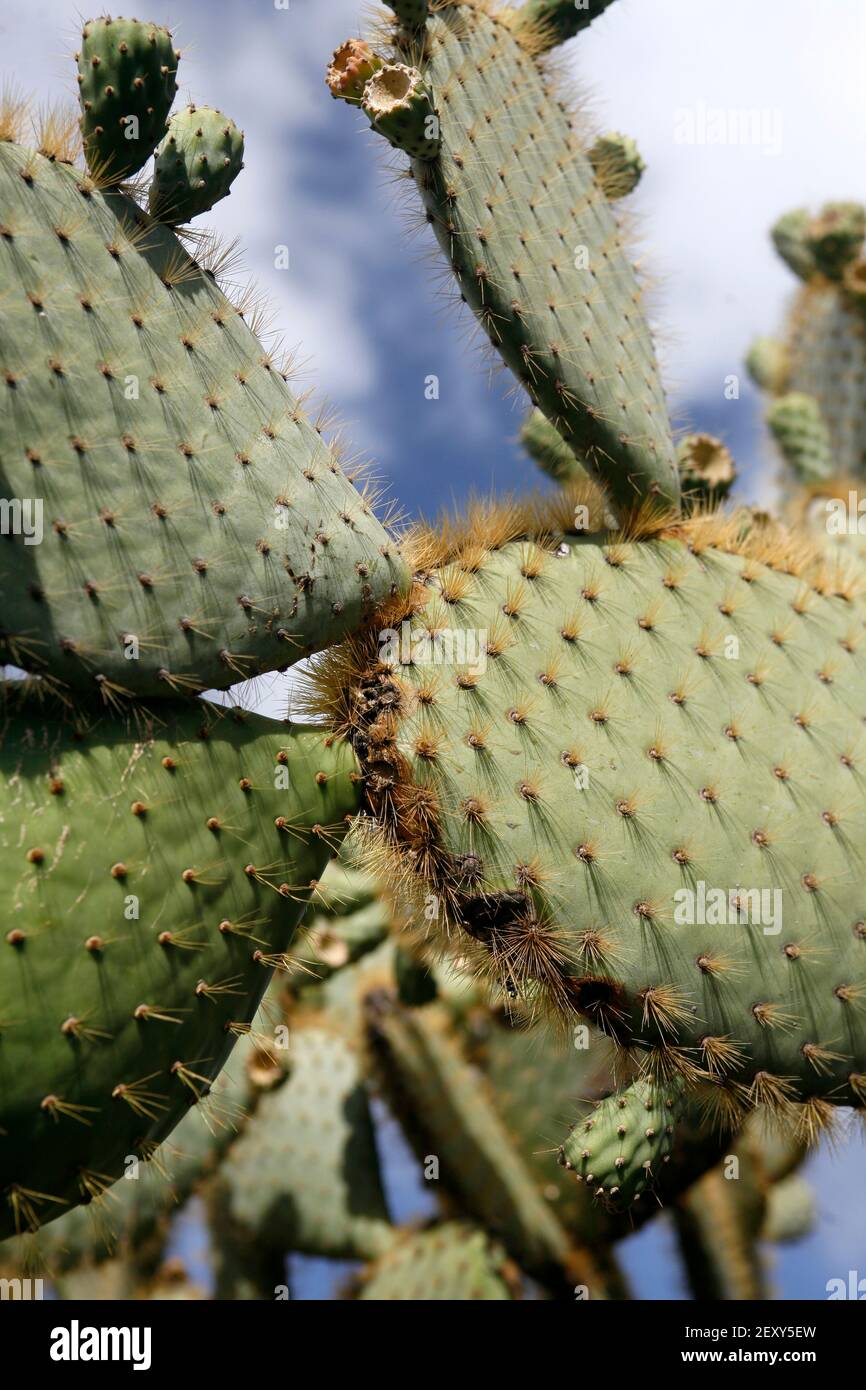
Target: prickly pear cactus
x: 620, y: 1148
x: 540, y: 259
x: 637, y: 794
x: 153, y: 880
x: 193, y: 526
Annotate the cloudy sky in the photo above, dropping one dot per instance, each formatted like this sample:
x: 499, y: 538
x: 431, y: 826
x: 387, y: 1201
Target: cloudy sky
x: 782, y: 78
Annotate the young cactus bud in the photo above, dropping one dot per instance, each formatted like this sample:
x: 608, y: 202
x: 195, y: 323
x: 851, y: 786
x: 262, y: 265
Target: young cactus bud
x: 617, y: 164
x: 126, y: 85
x: 400, y: 106
x: 196, y: 164
x: 707, y: 469
x: 768, y: 364
x: 835, y: 237
x: 411, y: 14
x: 799, y: 429
x: 789, y: 237
x: 620, y: 1149
x: 351, y: 68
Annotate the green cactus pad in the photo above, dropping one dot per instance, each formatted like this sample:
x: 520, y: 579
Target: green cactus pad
x: 400, y: 105
x: 304, y: 1175
x: 769, y: 365
x: 127, y: 82
x: 827, y: 353
x: 547, y: 447
x: 617, y: 163
x: 718, y: 1224
x: 196, y: 528
x: 452, y: 1262
x: 133, y: 1217
x: 823, y: 353
x: 195, y: 164
x: 537, y: 249
x: 153, y: 877
x: 620, y: 1148
x: 798, y: 427
x: 790, y: 238
x: 637, y: 788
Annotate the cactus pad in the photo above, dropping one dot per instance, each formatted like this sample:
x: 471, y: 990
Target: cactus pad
x: 620, y: 1148
x: 153, y: 879
x: 452, y: 1262
x: 196, y: 163
x: 197, y: 529
x: 536, y: 246
x: 637, y: 789
x: 305, y: 1174
x: 127, y: 75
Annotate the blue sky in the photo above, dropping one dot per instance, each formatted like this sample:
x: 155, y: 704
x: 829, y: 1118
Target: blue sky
x: 361, y: 301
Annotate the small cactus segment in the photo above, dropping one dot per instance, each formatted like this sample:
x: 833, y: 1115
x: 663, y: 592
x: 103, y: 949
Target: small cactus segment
x: 797, y: 425
x: 350, y: 69
x: 195, y: 164
x: 769, y: 365
x: 620, y: 1149
x: 540, y: 259
x: 617, y: 163
x: 152, y: 883
x: 304, y: 1175
x: 707, y: 469
x: 633, y: 783
x: 453, y: 1262
x: 543, y: 24
x: 400, y: 106
x: 411, y: 14
x: 790, y: 238
x: 194, y: 527
x: 127, y: 82
x: 547, y: 447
